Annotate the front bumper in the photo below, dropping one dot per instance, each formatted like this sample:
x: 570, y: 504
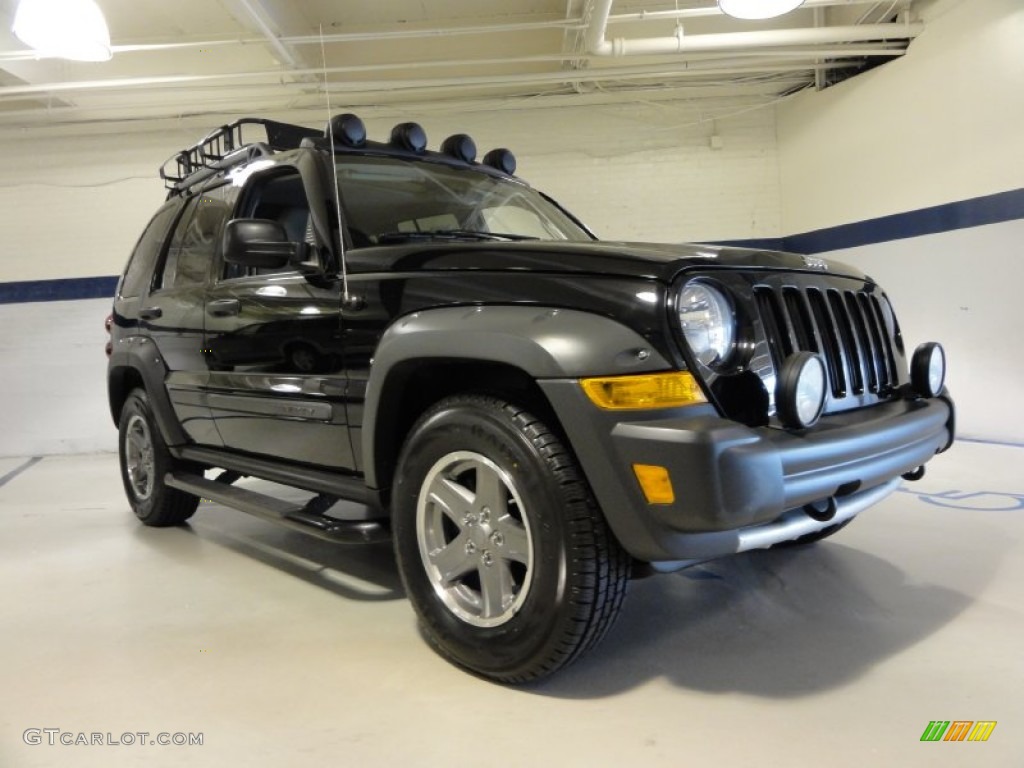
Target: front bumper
x: 739, y: 487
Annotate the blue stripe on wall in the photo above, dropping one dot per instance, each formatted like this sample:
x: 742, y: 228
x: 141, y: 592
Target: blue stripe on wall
x: 64, y: 289
x: 990, y: 209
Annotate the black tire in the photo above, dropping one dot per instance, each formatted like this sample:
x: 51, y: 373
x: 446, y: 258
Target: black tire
x: 811, y: 538
x: 531, y: 584
x: 144, y: 462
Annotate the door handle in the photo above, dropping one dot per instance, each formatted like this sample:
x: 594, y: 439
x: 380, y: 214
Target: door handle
x: 151, y: 313
x: 224, y: 307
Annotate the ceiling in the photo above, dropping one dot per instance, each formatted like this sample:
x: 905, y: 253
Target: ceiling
x: 233, y: 57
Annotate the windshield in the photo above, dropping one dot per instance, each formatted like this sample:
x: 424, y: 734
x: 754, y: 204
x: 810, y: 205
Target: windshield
x: 388, y: 200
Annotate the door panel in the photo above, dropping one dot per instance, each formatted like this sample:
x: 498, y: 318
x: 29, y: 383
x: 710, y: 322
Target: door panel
x: 176, y: 326
x: 173, y: 311
x: 276, y: 378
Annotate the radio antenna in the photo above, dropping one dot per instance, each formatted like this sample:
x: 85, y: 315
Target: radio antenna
x: 345, y: 298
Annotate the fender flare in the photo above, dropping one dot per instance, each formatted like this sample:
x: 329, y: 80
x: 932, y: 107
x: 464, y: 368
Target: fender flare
x: 543, y: 342
x: 140, y: 354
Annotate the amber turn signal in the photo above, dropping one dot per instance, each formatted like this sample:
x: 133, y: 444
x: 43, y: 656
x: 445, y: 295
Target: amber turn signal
x: 655, y: 483
x: 655, y: 390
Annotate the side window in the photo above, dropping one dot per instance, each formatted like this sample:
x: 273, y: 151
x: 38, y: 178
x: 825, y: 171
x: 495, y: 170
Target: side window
x: 281, y: 198
x: 147, y: 250
x: 195, y: 242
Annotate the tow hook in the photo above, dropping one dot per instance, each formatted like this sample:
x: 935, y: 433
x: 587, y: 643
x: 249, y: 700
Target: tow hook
x: 822, y: 511
x: 914, y: 474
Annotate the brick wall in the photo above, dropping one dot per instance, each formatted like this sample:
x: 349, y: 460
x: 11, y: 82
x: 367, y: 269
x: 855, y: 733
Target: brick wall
x: 73, y: 206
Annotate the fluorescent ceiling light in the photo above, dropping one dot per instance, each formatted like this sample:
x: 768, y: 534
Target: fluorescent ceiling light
x: 758, y: 9
x: 66, y: 29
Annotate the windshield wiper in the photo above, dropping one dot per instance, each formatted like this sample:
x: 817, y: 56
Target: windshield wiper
x: 450, y: 234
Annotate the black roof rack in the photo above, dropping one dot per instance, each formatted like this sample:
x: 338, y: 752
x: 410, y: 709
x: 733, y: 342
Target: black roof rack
x: 225, y: 147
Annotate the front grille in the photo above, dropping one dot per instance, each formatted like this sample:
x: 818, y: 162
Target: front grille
x: 847, y: 328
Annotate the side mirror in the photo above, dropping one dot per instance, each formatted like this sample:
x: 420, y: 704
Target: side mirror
x: 260, y: 243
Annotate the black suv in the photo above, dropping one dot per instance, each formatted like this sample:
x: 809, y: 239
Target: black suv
x: 532, y: 415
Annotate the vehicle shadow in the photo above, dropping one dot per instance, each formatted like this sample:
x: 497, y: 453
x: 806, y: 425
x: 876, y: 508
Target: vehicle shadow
x: 779, y: 623
x: 771, y: 623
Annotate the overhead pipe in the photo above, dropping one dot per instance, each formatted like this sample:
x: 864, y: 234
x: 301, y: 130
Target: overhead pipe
x: 819, y: 22
x: 391, y: 105
x: 588, y: 75
x: 597, y: 43
x: 568, y: 25
x: 702, y: 69
x: 714, y: 10
x: 258, y: 14
x: 741, y: 59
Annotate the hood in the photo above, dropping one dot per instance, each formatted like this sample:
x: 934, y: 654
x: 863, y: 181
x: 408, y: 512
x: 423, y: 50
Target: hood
x: 655, y: 261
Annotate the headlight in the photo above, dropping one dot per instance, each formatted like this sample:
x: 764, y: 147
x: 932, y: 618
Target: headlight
x: 707, y: 320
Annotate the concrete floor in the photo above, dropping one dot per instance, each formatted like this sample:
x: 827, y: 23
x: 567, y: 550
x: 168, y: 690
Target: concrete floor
x: 285, y: 651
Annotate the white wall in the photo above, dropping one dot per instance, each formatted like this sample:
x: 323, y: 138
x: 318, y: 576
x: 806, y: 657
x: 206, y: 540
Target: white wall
x: 941, y: 125
x: 74, y: 206
x: 943, y: 291
x: 648, y: 173
x: 52, y: 394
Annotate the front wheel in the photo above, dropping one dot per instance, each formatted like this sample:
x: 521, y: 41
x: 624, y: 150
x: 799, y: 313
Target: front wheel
x: 503, y: 551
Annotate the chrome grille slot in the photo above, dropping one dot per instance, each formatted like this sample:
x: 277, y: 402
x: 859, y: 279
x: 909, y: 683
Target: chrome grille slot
x: 847, y: 328
x: 774, y: 324
x: 851, y: 353
x: 800, y: 320
x: 834, y: 362
x: 863, y: 342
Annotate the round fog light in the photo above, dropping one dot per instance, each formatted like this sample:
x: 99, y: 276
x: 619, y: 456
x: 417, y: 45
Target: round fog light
x: 800, y: 397
x: 928, y: 369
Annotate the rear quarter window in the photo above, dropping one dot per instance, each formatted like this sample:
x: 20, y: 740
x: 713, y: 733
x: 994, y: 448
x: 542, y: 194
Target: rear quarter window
x: 140, y: 267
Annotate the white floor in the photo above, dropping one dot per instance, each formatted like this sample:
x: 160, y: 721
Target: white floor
x: 284, y: 651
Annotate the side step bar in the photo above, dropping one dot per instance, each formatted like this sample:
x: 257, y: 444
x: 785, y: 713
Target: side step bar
x: 285, y: 513
x: 343, y: 486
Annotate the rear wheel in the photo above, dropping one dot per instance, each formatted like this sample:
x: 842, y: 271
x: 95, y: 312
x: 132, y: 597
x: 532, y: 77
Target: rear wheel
x: 503, y: 551
x: 144, y: 462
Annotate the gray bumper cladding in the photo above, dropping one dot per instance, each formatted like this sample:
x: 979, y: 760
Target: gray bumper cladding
x: 740, y: 488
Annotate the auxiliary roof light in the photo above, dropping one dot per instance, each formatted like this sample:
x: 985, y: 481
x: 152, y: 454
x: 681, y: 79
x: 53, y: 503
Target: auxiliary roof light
x: 410, y: 136
x: 460, y: 146
x: 348, y: 129
x: 66, y: 29
x: 758, y: 9
x: 502, y: 159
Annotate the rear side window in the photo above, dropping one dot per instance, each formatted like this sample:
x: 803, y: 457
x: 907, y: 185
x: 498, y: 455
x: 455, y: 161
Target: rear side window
x: 140, y: 267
